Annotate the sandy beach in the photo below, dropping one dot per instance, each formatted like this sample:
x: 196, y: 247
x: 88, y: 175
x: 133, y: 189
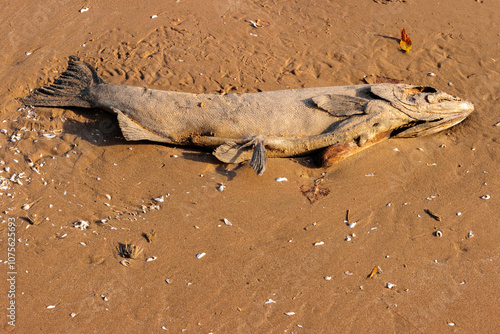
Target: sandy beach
x: 234, y: 252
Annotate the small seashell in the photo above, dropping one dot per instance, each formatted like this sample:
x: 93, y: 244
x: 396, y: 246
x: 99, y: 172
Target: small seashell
x: 200, y: 255
x: 328, y: 278
x: 289, y: 313
x: 167, y: 280
x: 227, y: 222
x: 72, y: 315
x: 438, y: 234
x: 25, y: 207
x: 319, y: 243
x: 104, y: 298
x: 51, y: 306
x: 485, y: 197
x: 154, y: 16
x: 431, y: 74
x: 81, y: 224
x: 351, y: 225
x: 459, y: 213
x: 269, y: 301
x: 281, y: 179
x: 451, y: 324
x: 470, y: 234
x: 371, y: 174
x: 221, y: 187
x: 390, y: 285
x: 348, y: 238
x: 152, y: 258
x: 160, y: 199
x: 348, y: 273
x: 49, y: 135
x: 125, y: 263
x: 108, y: 196
x: 83, y: 10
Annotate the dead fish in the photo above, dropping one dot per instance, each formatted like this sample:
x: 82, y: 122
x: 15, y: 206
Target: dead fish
x: 254, y: 126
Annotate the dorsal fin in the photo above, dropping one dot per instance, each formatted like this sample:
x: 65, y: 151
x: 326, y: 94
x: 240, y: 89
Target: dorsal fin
x: 341, y: 105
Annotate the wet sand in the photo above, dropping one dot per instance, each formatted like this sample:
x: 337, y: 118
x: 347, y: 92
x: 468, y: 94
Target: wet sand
x: 262, y: 273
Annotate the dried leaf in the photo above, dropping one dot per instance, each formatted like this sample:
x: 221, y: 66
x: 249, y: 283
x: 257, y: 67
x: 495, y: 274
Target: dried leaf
x: 314, y: 193
x: 405, y: 42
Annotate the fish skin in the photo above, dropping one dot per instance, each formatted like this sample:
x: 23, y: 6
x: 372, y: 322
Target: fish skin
x: 254, y: 126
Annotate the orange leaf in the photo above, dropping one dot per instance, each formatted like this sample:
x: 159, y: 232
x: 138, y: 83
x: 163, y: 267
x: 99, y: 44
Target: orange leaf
x: 405, y: 42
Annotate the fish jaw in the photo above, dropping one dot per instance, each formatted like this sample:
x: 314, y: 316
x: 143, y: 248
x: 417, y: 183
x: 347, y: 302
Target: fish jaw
x: 432, y: 110
x: 455, y: 113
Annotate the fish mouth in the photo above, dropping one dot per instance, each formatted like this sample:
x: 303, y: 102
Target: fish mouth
x: 432, y: 110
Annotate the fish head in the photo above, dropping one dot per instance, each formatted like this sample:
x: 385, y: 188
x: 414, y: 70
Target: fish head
x: 430, y: 109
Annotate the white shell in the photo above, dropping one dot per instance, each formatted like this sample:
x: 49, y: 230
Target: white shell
x: 81, y: 224
x: 125, y: 263
x: 319, y: 243
x: 328, y: 278
x: 281, y: 179
x: 160, y: 199
x: 152, y: 258
x: 227, y: 222
x: 289, y: 313
x: 51, y: 306
x: 390, y: 285
x: 438, y: 234
x: 200, y: 255
x: 485, y: 197
x: 269, y: 301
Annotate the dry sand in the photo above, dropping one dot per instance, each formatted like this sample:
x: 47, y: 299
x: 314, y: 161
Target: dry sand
x: 265, y: 264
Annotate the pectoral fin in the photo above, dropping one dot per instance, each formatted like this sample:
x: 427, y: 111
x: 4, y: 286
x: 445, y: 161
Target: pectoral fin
x: 259, y: 158
x: 234, y: 153
x: 341, y: 105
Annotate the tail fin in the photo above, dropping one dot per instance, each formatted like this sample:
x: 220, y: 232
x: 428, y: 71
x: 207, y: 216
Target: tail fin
x: 69, y: 90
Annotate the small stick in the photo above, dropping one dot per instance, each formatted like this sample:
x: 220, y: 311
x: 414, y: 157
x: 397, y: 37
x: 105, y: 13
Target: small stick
x: 433, y: 215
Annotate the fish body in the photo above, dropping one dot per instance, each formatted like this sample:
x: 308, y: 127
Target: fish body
x: 254, y: 126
